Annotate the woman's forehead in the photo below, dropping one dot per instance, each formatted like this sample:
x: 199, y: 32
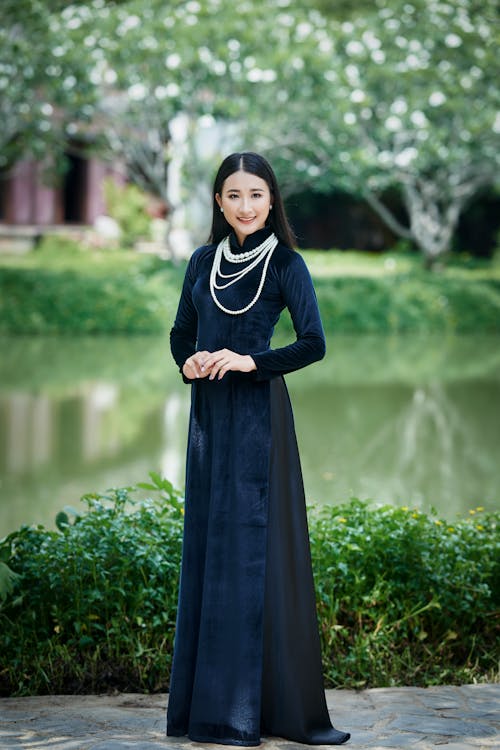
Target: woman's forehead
x: 241, y: 180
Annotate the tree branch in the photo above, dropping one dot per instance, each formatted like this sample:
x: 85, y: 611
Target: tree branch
x: 386, y: 215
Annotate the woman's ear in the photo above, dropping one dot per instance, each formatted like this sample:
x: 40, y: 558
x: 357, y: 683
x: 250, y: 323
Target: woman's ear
x: 218, y: 199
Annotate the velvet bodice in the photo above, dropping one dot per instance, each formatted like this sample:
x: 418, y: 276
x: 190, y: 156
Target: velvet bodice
x: 201, y: 325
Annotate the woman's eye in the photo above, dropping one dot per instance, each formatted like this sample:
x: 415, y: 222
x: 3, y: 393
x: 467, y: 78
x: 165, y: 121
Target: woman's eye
x: 257, y: 195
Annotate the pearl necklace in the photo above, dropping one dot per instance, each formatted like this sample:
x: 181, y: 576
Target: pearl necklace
x: 264, y: 250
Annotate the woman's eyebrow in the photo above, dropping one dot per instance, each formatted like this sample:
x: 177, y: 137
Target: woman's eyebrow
x: 252, y: 190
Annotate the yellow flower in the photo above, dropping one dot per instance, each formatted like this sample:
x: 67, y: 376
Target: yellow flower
x: 438, y: 522
x: 479, y: 527
x: 472, y: 512
x: 414, y: 515
x: 404, y: 507
x: 341, y: 519
x: 450, y: 528
x: 479, y: 508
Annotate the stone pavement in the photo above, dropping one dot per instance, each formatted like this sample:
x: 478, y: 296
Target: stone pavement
x: 458, y: 718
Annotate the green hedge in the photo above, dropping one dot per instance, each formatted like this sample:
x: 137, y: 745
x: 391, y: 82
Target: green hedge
x: 403, y: 598
x: 69, y: 302
x: 62, y: 290
x: 410, y: 302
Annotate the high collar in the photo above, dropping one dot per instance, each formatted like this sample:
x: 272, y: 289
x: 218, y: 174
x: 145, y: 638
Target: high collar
x: 251, y: 240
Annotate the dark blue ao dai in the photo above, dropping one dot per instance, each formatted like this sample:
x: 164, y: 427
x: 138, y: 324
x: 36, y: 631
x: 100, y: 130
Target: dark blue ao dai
x: 247, y: 658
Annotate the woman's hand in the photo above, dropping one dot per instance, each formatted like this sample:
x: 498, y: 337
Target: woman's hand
x: 194, y: 366
x: 218, y: 363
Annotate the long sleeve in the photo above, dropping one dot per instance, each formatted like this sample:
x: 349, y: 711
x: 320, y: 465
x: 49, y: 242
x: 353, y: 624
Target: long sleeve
x: 300, y: 299
x: 184, y: 332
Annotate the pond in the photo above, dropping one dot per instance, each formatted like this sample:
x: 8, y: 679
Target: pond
x: 404, y: 420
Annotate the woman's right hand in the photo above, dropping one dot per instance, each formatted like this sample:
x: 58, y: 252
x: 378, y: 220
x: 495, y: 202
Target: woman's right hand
x: 193, y: 367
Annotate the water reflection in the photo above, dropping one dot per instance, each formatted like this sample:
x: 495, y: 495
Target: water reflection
x: 412, y: 422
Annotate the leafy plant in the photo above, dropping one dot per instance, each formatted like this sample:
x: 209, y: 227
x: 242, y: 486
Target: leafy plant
x: 94, y: 603
x: 403, y: 597
x: 128, y: 204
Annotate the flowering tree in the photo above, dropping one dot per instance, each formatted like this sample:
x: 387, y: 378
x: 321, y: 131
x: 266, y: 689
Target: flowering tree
x: 406, y: 96
x: 43, y: 82
x: 403, y: 94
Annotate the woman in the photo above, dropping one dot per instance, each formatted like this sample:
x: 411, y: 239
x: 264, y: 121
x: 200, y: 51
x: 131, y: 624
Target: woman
x: 247, y: 654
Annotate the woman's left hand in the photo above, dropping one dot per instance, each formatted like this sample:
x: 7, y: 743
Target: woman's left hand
x: 225, y: 360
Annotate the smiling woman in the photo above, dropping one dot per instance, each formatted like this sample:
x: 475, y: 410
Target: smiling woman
x: 247, y: 658
x: 245, y: 202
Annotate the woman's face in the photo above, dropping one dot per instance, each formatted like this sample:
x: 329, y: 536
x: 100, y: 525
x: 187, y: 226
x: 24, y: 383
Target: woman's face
x: 246, y: 201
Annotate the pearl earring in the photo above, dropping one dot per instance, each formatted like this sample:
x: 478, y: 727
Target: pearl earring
x: 270, y: 208
x: 221, y: 210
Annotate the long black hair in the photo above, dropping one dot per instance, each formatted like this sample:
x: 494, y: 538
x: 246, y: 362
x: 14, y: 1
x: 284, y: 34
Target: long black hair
x: 248, y: 161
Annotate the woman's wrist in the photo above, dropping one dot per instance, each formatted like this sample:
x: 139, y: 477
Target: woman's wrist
x: 251, y: 363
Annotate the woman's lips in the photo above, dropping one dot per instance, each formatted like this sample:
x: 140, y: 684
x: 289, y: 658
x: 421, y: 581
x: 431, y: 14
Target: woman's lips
x: 246, y: 221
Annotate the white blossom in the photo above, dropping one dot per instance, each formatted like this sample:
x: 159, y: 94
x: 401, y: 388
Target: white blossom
x: 393, y: 123
x: 414, y: 62
x: 354, y: 48
x: 352, y: 74
x: 357, y: 96
x: 392, y: 24
x: 419, y: 119
x: 378, y: 56
x: 219, y: 67
x: 371, y: 41
x: 173, y: 61
x: 437, y: 98
x: 452, y: 40
x: 385, y: 158
x: 137, y: 92
x: 303, y: 30
x: 172, y: 89
x: 131, y: 22
x: 399, y: 106
x: 405, y: 157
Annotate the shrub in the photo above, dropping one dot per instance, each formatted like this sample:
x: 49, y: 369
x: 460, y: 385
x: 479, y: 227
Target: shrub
x: 64, y: 289
x: 93, y: 604
x: 128, y: 205
x: 402, y: 597
x: 39, y: 301
x: 415, y: 302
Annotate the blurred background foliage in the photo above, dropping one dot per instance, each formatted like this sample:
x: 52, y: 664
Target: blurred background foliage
x: 395, y: 103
